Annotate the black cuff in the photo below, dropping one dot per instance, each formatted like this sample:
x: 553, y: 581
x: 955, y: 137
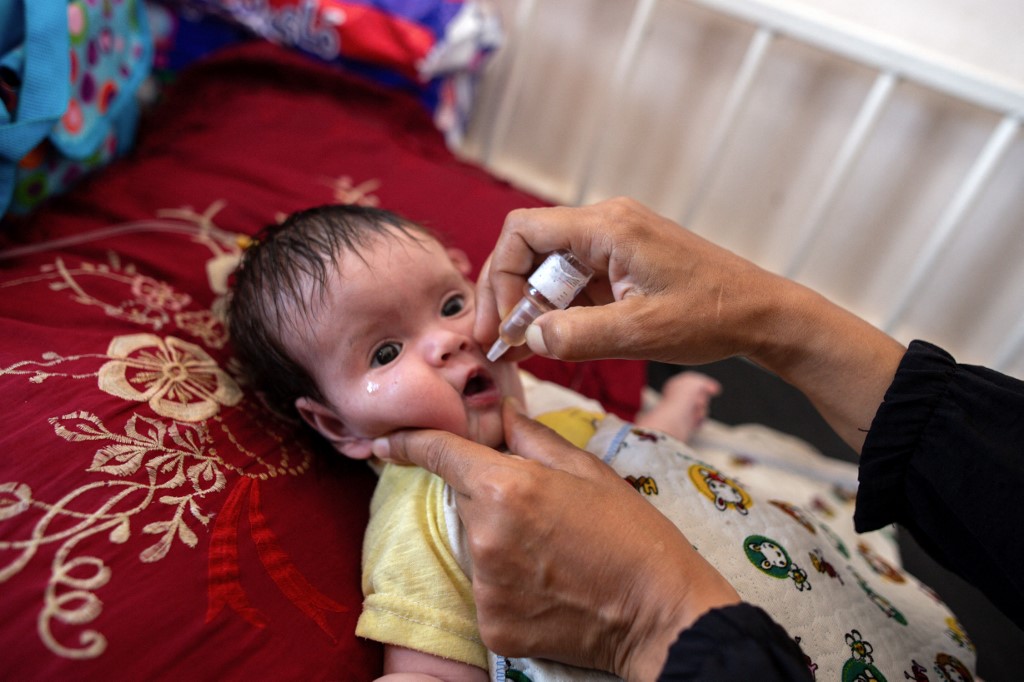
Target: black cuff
x: 921, y: 381
x: 738, y: 642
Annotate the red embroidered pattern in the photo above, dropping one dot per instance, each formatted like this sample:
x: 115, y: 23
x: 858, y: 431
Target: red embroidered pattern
x: 224, y: 584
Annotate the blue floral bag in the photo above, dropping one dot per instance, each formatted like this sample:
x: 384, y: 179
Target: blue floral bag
x: 69, y: 73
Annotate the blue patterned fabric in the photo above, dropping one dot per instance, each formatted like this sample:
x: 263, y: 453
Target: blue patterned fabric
x: 70, y: 72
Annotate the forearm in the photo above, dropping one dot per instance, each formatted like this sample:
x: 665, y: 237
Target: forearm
x: 408, y: 665
x: 840, y: 362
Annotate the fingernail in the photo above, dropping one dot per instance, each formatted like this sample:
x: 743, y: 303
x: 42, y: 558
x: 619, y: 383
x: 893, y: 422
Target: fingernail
x: 515, y: 404
x: 381, y: 447
x: 535, y: 340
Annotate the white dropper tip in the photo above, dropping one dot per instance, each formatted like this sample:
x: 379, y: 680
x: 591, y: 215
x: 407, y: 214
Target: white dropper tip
x: 497, y: 350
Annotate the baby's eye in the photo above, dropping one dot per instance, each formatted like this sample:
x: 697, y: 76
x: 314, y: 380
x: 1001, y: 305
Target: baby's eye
x: 386, y: 354
x: 454, y: 305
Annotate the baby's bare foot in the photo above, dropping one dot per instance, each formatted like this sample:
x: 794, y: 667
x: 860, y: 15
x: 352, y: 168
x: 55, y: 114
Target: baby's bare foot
x: 686, y: 398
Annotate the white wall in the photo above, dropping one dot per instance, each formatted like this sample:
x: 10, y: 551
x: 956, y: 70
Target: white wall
x: 983, y: 34
x: 652, y: 142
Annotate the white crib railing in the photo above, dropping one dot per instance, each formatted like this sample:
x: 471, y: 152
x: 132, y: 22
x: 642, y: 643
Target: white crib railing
x: 933, y: 246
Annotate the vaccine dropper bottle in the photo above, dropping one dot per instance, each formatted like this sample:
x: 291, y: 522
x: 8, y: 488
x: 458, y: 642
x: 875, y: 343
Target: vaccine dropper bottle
x: 552, y: 285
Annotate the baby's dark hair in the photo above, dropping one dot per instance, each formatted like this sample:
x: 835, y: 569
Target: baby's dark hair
x: 281, y: 274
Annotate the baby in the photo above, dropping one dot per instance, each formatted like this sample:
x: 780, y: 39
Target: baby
x: 361, y: 323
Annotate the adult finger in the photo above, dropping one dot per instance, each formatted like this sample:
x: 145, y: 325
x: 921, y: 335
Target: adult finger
x: 485, y: 326
x: 458, y: 461
x: 531, y: 440
x: 527, y: 236
x: 616, y: 330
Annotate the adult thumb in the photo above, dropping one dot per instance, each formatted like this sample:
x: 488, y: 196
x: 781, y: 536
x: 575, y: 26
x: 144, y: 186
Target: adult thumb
x: 587, y: 332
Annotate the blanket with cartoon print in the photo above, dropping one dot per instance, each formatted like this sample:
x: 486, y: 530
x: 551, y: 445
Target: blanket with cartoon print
x: 776, y: 521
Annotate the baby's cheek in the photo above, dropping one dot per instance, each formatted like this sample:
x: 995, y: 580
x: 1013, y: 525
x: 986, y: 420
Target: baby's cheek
x: 445, y: 420
x: 423, y: 408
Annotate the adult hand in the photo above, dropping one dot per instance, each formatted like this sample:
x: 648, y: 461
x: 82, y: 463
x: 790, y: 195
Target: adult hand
x: 569, y: 562
x: 661, y: 292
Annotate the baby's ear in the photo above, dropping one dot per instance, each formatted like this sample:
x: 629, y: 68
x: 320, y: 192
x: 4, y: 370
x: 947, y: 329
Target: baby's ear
x: 460, y: 260
x: 330, y: 426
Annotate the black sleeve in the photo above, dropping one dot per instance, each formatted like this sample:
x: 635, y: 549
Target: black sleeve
x: 945, y: 459
x: 738, y: 642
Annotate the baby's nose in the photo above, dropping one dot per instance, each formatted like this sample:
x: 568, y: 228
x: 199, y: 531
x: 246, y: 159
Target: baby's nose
x: 444, y: 344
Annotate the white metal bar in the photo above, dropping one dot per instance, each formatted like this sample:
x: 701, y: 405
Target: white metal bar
x: 998, y: 142
x: 1011, y: 349
x: 638, y: 25
x: 734, y: 103
x: 525, y: 15
x: 885, y: 53
x: 848, y: 154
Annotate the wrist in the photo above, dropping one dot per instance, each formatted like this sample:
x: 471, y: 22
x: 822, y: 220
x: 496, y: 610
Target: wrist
x: 757, y: 313
x: 788, y: 326
x: 842, y: 363
x: 671, y: 610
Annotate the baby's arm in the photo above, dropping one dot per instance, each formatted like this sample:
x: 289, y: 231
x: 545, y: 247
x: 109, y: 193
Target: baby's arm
x: 408, y: 665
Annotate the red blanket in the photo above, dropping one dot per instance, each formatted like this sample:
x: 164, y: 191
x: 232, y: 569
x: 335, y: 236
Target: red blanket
x: 155, y: 521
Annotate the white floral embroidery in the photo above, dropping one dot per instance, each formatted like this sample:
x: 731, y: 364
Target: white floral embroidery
x: 153, y: 464
x: 156, y: 294
x: 177, y: 378
x: 205, y: 325
x: 41, y: 370
x: 169, y: 458
x: 347, y: 192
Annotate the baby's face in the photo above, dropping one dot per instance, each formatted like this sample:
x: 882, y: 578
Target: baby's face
x: 392, y: 348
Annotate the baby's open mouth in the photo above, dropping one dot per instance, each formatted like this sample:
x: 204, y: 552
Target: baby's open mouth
x: 477, y: 383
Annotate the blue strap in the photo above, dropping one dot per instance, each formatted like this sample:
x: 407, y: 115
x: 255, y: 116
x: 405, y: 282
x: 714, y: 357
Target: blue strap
x: 13, y: 22
x: 45, y: 78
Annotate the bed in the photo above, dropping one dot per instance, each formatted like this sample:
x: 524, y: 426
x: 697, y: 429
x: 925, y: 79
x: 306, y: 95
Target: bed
x: 156, y: 521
